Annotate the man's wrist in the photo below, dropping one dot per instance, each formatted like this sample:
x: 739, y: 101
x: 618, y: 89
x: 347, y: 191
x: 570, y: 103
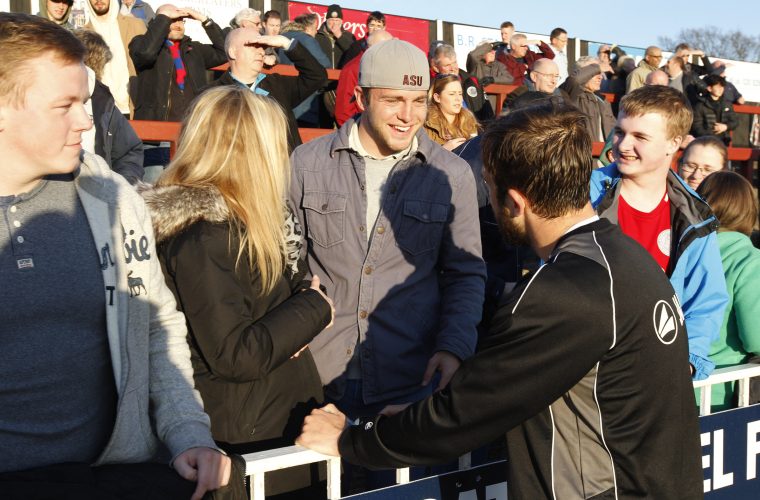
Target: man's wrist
x: 207, y: 22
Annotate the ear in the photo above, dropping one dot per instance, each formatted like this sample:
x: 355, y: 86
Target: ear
x: 533, y: 77
x: 232, y: 53
x: 361, y: 101
x: 437, y: 98
x: 674, y: 144
x: 515, y: 203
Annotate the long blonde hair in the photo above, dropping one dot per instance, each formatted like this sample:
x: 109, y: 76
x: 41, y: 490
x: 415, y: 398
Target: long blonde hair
x: 236, y: 141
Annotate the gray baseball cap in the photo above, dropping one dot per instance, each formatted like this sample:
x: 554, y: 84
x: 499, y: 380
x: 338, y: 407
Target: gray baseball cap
x: 394, y: 64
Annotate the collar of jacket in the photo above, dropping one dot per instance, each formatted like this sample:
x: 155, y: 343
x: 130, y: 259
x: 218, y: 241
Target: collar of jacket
x: 94, y: 177
x: 692, y: 218
x: 174, y: 208
x: 340, y: 141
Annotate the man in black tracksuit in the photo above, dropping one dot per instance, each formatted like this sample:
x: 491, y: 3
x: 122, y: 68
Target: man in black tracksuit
x: 584, y: 364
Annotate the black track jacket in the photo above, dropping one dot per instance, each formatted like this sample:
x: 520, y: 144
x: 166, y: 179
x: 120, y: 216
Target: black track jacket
x: 584, y: 370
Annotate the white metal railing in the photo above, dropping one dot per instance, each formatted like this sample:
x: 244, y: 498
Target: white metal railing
x: 257, y: 464
x: 742, y: 373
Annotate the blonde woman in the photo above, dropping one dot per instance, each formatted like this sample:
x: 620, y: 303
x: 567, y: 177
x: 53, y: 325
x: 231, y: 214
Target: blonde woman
x: 448, y: 122
x: 229, y: 245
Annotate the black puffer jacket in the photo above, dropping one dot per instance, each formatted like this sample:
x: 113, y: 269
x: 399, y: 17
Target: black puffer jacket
x: 708, y: 112
x: 241, y: 342
x: 155, y: 67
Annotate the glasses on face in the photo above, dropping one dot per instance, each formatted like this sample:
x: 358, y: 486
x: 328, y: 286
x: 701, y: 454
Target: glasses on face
x: 551, y: 76
x: 690, y: 168
x: 656, y: 56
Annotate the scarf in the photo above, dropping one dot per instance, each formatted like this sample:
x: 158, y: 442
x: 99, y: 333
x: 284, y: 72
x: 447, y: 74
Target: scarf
x: 179, y: 65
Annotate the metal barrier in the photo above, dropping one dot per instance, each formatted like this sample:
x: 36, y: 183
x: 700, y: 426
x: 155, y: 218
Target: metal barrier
x: 257, y: 464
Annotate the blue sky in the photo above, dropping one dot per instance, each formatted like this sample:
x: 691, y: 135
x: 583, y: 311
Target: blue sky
x: 635, y: 23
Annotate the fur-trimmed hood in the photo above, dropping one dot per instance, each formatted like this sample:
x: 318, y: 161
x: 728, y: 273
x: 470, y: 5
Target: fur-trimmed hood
x: 174, y: 208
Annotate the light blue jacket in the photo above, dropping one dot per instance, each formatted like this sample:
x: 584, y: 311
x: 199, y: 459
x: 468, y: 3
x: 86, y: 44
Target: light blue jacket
x: 695, y: 269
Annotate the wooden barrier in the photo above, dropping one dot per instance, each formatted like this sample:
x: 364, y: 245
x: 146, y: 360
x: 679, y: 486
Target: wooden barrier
x: 496, y: 89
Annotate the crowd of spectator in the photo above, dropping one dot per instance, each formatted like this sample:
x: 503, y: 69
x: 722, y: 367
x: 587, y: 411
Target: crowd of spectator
x: 260, y: 278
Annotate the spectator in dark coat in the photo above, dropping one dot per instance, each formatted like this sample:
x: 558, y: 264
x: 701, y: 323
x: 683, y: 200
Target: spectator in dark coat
x: 171, y: 67
x: 303, y: 28
x: 112, y: 137
x: 714, y: 115
x: 332, y: 38
x: 375, y: 22
x: 245, y: 50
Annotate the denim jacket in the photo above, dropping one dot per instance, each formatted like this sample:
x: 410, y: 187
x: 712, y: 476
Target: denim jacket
x: 695, y: 268
x: 416, y: 287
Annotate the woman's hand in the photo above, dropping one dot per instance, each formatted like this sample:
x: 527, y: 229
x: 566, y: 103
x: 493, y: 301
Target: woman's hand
x: 315, y: 286
x: 452, y: 144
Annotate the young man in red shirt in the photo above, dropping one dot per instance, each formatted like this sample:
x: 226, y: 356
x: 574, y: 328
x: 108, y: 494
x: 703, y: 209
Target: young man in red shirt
x: 655, y: 207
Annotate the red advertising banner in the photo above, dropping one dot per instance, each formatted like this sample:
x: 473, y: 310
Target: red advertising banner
x: 411, y: 29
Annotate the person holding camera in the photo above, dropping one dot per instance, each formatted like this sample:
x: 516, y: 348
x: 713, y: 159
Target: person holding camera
x: 171, y: 67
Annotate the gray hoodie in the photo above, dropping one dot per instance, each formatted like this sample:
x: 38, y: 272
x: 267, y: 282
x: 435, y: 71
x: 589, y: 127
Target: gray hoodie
x: 146, y: 334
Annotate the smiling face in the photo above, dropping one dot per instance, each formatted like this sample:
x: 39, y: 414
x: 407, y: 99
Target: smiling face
x: 53, y: 109
x: 641, y: 146
x: 450, y: 99
x: 699, y: 162
x: 57, y: 10
x: 390, y: 118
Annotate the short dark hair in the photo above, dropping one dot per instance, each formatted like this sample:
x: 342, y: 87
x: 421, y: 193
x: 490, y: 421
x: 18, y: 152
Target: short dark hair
x: 711, y: 80
x: 506, y: 24
x: 24, y: 37
x: 544, y: 152
x: 682, y: 46
x: 376, y: 15
x: 732, y: 200
x: 274, y: 14
x: 556, y: 32
x: 306, y: 19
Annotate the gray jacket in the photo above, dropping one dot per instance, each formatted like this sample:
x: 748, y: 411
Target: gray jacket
x: 416, y: 288
x: 599, y: 118
x: 146, y: 334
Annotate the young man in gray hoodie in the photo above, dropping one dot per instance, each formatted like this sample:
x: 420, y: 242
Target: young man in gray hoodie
x: 97, y: 381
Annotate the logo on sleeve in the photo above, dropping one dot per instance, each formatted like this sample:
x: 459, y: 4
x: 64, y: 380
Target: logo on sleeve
x: 665, y: 322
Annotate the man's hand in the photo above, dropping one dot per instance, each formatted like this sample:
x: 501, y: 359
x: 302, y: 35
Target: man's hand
x: 277, y: 41
x: 443, y: 362
x: 719, y: 128
x: 335, y: 25
x: 321, y: 430
x: 194, y: 14
x: 172, y: 12
x: 209, y: 468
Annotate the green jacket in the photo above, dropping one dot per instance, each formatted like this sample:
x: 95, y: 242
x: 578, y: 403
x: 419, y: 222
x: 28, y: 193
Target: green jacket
x: 740, y: 333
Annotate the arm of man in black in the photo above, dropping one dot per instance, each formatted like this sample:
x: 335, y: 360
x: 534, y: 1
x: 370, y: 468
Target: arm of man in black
x: 545, y: 337
x: 311, y: 75
x: 144, y: 49
x: 213, y: 55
